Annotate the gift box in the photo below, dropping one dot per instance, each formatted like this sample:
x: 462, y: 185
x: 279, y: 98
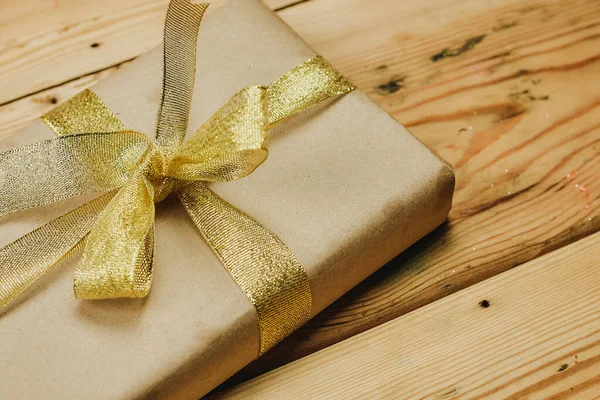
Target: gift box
x: 345, y: 188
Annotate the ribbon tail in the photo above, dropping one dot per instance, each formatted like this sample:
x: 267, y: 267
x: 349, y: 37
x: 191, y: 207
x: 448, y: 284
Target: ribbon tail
x: 30, y: 257
x: 119, y: 253
x: 230, y: 145
x: 259, y: 262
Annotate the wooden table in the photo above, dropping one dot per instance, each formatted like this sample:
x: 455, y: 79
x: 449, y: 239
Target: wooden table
x: 508, y: 91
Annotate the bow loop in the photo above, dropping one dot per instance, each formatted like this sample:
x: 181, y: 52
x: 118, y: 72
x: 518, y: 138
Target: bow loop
x: 68, y: 166
x: 230, y: 145
x: 118, y: 257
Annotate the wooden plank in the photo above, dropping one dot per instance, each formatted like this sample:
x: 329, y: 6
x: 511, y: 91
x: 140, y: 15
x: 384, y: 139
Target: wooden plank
x: 524, y: 83
x: 516, y: 113
x: 17, y: 114
x: 533, y: 332
x: 44, y: 43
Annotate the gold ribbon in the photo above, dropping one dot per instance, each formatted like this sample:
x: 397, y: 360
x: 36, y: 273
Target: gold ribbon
x: 94, y: 152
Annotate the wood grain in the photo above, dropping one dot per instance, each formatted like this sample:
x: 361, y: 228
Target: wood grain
x: 506, y: 90
x: 45, y: 43
x: 17, y: 114
x: 533, y: 332
x: 516, y: 113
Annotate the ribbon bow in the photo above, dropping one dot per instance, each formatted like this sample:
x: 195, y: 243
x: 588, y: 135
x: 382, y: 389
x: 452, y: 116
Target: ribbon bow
x: 93, y: 152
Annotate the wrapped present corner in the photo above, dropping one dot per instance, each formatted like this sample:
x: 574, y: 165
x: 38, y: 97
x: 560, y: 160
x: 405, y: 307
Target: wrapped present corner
x: 235, y: 264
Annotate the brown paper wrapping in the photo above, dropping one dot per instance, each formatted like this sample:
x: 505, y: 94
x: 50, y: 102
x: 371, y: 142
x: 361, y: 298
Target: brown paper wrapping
x: 345, y: 187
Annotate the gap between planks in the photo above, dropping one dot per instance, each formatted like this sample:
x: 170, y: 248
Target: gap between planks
x: 514, y: 113
x: 39, y: 47
x: 532, y: 332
